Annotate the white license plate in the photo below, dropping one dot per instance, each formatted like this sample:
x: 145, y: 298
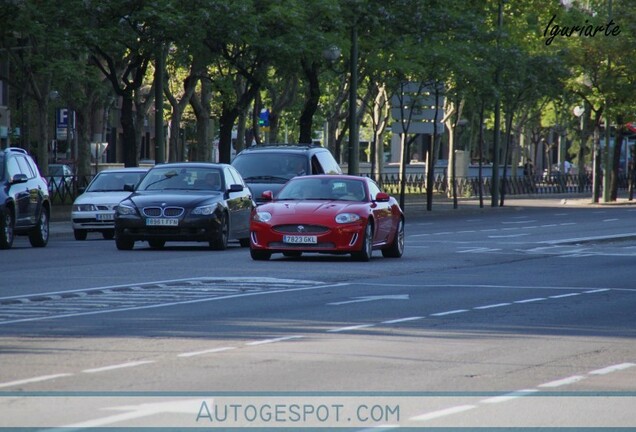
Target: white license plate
x: 105, y: 216
x: 294, y: 239
x: 162, y: 222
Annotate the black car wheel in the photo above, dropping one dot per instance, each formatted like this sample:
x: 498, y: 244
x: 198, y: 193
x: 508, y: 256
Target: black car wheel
x: 157, y: 244
x: 6, y: 229
x: 108, y: 234
x: 259, y: 255
x: 39, y: 235
x: 80, y: 234
x: 223, y: 234
x: 367, y: 245
x: 396, y: 249
x: 124, y: 243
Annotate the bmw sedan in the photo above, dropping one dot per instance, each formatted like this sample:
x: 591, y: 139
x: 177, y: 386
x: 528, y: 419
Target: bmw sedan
x: 336, y: 214
x: 186, y: 201
x: 94, y: 209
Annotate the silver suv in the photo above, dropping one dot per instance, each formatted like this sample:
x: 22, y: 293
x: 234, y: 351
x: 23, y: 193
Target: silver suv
x: 269, y: 167
x: 25, y: 207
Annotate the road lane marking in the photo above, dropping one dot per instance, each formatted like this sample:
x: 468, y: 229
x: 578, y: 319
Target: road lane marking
x: 509, y: 396
x: 401, y: 320
x: 563, y: 381
x: 208, y: 351
x: 362, y: 299
x: 536, y: 299
x: 34, y: 380
x: 274, y: 340
x: 444, y: 412
x: 355, y: 327
x: 202, y: 298
x: 564, y: 295
x: 456, y: 311
x: 611, y: 369
x: 118, y: 366
x: 492, y: 306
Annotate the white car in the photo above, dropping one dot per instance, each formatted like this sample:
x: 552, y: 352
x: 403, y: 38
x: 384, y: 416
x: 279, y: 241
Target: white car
x: 94, y: 209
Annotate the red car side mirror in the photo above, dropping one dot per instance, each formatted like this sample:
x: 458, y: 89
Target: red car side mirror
x: 267, y: 196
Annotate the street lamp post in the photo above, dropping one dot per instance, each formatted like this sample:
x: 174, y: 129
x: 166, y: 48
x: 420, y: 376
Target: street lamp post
x: 495, y: 144
x: 578, y: 112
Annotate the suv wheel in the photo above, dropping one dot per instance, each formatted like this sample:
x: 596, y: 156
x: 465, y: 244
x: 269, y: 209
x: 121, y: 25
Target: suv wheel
x: 6, y: 229
x: 39, y: 235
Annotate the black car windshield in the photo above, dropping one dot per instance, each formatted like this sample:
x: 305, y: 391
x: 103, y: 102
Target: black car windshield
x: 114, y: 181
x: 323, y: 189
x: 182, y: 178
x: 261, y: 167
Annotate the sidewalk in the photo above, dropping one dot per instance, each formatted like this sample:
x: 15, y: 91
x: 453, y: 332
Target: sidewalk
x: 415, y: 207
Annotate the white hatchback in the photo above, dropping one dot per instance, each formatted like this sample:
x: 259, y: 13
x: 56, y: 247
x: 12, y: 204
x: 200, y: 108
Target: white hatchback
x: 94, y: 209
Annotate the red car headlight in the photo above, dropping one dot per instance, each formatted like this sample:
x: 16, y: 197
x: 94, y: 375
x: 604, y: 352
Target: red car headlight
x: 344, y: 218
x: 262, y: 216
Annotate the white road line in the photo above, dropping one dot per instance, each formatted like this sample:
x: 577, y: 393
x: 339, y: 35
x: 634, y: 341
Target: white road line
x: 509, y: 396
x: 564, y: 295
x: 596, y: 291
x: 442, y: 413
x: 208, y: 351
x: 508, y: 236
x: 449, y: 312
x: 268, y: 341
x: 400, y: 320
x: 492, y: 306
x: 562, y: 382
x: 536, y: 299
x: 118, y: 366
x: 34, y: 379
x: 611, y: 369
x: 356, y: 327
x: 610, y: 220
x: 174, y: 303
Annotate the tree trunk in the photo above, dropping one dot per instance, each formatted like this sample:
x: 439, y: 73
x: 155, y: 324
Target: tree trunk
x: 311, y: 104
x: 127, y: 119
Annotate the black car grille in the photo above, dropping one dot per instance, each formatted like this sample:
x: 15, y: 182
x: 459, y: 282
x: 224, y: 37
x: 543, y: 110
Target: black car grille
x: 166, y: 211
x: 300, y: 229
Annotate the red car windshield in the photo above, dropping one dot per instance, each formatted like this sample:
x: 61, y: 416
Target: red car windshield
x: 324, y: 189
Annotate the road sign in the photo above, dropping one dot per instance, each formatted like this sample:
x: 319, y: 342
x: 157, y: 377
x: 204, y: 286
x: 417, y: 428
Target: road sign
x: 63, y: 122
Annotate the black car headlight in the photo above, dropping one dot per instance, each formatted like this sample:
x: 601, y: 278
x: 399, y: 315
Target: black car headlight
x: 125, y: 210
x: 205, y: 210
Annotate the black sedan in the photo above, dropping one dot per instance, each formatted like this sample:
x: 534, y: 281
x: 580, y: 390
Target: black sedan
x: 186, y: 201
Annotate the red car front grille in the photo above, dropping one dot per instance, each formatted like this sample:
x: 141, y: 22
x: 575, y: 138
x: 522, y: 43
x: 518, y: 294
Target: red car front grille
x: 300, y: 229
x: 281, y: 245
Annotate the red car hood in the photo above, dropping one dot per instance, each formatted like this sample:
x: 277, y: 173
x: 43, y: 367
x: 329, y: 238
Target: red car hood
x: 313, y: 208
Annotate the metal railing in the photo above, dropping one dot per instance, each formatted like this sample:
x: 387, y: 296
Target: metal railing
x: 64, y: 190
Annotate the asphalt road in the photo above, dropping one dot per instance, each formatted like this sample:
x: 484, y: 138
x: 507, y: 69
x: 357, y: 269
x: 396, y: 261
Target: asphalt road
x: 519, y: 316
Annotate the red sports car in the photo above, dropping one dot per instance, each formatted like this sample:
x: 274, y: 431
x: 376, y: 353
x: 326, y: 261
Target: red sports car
x: 336, y: 214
